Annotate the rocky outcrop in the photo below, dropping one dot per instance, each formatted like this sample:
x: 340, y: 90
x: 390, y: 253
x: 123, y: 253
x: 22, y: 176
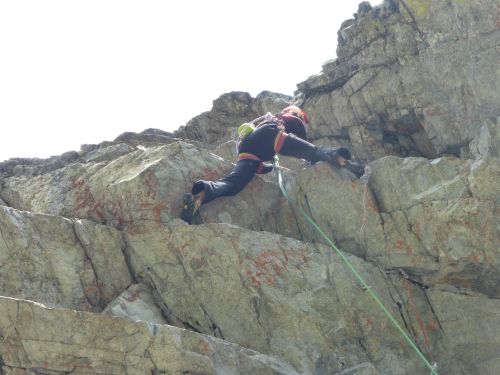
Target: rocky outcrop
x: 228, y: 111
x: 104, y: 152
x: 412, y: 78
x: 251, y: 288
x: 145, y: 185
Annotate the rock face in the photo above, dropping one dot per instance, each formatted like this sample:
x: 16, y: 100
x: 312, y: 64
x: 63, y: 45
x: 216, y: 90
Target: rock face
x: 136, y: 303
x: 285, y: 297
x: 436, y: 219
x: 252, y: 288
x: 142, y: 186
x: 412, y: 78
x: 60, y: 262
x: 38, y: 340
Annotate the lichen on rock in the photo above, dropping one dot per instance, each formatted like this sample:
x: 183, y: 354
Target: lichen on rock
x: 251, y: 288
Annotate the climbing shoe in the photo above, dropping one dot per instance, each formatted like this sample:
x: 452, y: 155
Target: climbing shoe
x: 189, y: 207
x: 357, y: 169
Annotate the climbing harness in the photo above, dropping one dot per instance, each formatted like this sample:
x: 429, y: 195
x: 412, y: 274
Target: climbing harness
x: 365, y: 286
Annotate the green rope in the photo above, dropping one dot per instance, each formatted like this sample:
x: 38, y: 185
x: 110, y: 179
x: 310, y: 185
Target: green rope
x: 432, y: 367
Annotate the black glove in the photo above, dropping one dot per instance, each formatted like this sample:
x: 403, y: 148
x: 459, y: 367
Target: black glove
x: 328, y: 155
x: 357, y: 169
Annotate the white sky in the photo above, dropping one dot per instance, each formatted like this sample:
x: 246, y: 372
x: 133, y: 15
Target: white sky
x: 75, y: 72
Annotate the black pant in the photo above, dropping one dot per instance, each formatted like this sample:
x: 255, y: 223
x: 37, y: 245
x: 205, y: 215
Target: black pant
x: 245, y: 170
x: 231, y: 184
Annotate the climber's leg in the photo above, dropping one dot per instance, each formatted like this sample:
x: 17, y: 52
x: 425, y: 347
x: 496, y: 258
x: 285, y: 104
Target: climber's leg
x: 205, y: 191
x: 299, y: 148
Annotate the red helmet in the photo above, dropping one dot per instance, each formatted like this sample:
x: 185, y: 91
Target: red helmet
x: 294, y: 119
x: 297, y: 112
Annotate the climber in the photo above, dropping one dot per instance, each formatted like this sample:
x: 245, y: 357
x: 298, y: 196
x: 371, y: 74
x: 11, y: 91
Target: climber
x: 283, y: 134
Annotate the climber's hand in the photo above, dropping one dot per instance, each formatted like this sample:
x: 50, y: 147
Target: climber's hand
x: 342, y: 161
